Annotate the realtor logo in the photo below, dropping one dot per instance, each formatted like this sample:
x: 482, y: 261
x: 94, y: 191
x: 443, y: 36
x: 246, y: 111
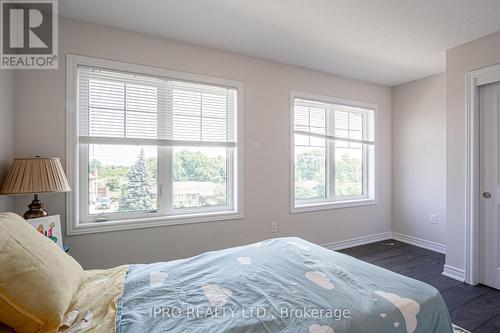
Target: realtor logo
x: 28, y: 34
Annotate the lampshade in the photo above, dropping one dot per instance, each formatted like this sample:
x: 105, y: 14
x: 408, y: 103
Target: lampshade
x: 35, y: 175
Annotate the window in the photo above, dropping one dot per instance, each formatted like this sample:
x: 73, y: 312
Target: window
x: 151, y: 146
x: 333, y: 153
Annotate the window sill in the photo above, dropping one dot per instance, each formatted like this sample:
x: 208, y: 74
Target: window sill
x: 312, y: 207
x: 150, y: 222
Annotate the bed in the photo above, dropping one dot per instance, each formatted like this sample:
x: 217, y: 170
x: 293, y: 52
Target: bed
x: 278, y: 285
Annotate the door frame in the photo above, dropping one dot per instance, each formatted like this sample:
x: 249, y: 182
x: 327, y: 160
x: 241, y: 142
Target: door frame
x: 474, y: 80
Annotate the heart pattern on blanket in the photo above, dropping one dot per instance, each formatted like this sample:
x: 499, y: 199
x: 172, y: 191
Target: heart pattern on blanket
x: 156, y: 279
x: 382, y: 315
x: 244, y: 260
x: 396, y: 324
x: 320, y: 279
x: 216, y: 295
x: 320, y: 329
x: 408, y: 307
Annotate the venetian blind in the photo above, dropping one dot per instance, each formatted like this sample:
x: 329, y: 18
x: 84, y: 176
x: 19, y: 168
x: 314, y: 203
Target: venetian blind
x: 124, y: 108
x: 315, y: 122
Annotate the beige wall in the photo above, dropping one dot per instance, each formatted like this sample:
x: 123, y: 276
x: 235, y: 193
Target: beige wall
x: 266, y: 146
x: 471, y: 56
x: 419, y: 158
x: 7, y: 80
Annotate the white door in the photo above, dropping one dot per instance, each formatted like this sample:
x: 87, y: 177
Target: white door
x: 489, y: 154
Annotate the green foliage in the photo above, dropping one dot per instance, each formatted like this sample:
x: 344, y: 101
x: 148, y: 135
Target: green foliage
x: 310, y: 168
x: 96, y: 167
x: 311, y: 165
x: 112, y: 177
x: 152, y: 164
x: 196, y: 166
x: 348, y: 176
x: 115, y: 177
x: 302, y: 192
x: 138, y: 195
x: 310, y: 175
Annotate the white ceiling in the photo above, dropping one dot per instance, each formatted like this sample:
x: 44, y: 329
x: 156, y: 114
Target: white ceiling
x: 383, y: 41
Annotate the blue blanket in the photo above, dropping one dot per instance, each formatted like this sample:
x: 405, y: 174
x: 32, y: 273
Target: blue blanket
x: 279, y: 285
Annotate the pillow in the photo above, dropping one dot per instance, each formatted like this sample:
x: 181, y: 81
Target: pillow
x: 37, y: 279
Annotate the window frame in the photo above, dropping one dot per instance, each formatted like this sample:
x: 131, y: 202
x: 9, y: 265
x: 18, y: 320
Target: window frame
x: 78, y: 222
x: 369, y: 169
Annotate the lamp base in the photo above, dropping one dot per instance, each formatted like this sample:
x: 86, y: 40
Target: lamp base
x: 35, y: 209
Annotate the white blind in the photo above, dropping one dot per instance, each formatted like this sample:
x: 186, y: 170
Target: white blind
x: 124, y: 108
x: 315, y: 122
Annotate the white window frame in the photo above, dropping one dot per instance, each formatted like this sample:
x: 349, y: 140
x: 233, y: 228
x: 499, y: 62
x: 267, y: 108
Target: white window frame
x: 369, y: 171
x: 79, y: 222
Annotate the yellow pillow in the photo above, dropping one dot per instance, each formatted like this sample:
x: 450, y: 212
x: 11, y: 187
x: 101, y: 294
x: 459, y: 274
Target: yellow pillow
x: 37, y: 279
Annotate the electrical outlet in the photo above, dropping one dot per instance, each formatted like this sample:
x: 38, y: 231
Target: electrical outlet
x: 434, y: 218
x: 274, y: 226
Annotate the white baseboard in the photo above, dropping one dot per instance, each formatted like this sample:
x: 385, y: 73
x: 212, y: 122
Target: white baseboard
x: 344, y: 244
x: 448, y: 271
x: 454, y: 273
x: 433, y: 246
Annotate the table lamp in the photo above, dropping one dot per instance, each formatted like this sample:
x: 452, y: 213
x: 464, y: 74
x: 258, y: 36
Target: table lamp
x: 34, y: 176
